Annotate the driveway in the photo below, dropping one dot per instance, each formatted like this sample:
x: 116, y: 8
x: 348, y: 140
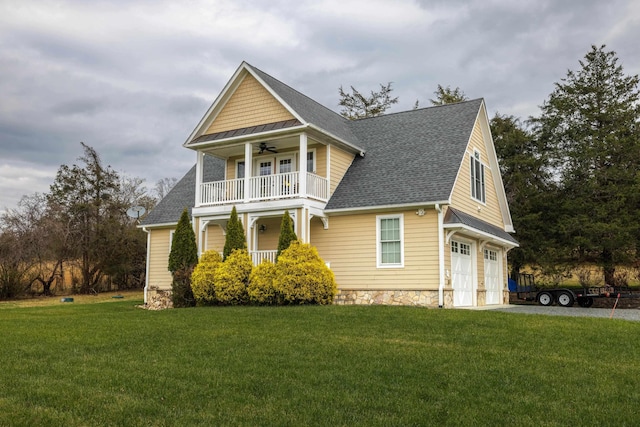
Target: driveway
x: 619, y: 313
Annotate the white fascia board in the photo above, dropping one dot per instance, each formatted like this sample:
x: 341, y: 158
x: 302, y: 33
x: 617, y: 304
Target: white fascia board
x: 349, y: 145
x: 160, y: 225
x: 249, y: 137
x: 386, y: 208
x: 480, y: 233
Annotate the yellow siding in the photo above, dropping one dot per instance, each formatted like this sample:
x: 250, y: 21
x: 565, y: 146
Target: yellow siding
x: 340, y: 162
x: 268, y: 240
x: 250, y: 105
x: 158, y: 260
x: 215, y: 238
x: 349, y: 245
x: 461, y: 198
x: 321, y: 159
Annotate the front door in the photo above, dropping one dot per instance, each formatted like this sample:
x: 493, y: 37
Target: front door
x: 492, y: 276
x: 462, y: 274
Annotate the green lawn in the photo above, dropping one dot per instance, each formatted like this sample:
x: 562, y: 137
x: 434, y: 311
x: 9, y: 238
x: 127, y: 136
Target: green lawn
x: 114, y: 364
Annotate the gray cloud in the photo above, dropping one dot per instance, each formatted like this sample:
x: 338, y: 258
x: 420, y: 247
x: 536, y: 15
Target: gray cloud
x: 132, y: 79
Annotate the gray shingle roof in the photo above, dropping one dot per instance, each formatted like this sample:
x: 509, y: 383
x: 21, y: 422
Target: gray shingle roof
x: 454, y: 216
x: 411, y: 157
x: 310, y: 110
x: 183, y: 194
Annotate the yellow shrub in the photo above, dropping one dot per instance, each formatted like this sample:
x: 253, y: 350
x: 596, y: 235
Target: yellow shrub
x: 231, y: 278
x: 261, y: 289
x: 202, y: 279
x: 303, y: 278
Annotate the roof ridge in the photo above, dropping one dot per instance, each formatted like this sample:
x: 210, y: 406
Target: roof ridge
x: 432, y: 107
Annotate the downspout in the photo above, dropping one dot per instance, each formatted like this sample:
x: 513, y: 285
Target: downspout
x: 146, y: 273
x: 440, y: 255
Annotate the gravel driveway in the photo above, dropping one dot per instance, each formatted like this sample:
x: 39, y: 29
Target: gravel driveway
x: 621, y: 313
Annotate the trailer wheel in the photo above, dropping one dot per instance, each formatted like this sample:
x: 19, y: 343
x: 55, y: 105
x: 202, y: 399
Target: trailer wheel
x: 585, y: 302
x: 565, y: 299
x: 545, y: 298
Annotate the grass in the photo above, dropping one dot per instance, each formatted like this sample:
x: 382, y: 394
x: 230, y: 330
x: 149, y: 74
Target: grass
x: 114, y: 364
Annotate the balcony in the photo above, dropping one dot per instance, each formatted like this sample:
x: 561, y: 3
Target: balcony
x: 261, y: 188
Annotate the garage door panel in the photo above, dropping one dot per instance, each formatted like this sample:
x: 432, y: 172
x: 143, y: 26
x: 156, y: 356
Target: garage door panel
x: 492, y: 277
x: 462, y: 274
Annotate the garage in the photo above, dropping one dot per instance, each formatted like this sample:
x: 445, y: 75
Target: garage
x: 492, y: 277
x: 461, y: 274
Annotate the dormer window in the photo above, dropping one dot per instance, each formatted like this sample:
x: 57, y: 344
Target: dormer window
x: 477, y: 177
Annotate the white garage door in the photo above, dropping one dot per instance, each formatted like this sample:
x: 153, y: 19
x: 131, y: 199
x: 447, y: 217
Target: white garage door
x: 462, y: 274
x: 492, y: 274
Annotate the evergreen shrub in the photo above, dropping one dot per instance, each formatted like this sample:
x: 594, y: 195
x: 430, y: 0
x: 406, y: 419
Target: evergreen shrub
x: 202, y: 279
x: 302, y: 276
x: 261, y: 289
x: 231, y: 278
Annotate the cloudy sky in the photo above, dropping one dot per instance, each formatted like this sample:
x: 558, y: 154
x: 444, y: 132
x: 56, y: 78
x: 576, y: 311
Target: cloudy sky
x: 132, y: 78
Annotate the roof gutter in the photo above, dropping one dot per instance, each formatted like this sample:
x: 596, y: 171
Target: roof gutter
x: 146, y: 273
x: 440, y: 255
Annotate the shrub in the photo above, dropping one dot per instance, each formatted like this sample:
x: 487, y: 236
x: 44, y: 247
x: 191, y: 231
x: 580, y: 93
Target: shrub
x: 303, y: 278
x: 287, y: 235
x: 231, y: 278
x: 182, y: 259
x: 181, y: 293
x: 202, y: 282
x: 261, y: 289
x: 184, y: 252
x: 235, y: 238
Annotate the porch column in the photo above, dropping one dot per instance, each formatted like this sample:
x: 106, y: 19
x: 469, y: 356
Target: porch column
x: 302, y: 180
x: 199, y: 166
x: 247, y: 171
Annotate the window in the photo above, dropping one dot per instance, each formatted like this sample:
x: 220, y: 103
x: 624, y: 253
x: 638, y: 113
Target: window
x: 490, y: 255
x: 264, y: 168
x: 240, y: 169
x: 311, y: 166
x: 390, y: 245
x: 477, y: 178
x: 285, y: 165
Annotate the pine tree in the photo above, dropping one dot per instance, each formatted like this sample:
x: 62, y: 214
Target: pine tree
x: 357, y: 106
x: 287, y: 234
x: 448, y: 96
x: 235, y: 238
x: 182, y: 259
x: 591, y: 122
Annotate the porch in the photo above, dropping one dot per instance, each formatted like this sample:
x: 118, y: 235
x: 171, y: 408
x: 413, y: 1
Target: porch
x: 266, y: 187
x: 258, y: 256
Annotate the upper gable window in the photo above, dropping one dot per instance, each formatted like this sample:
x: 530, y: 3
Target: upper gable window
x: 477, y: 177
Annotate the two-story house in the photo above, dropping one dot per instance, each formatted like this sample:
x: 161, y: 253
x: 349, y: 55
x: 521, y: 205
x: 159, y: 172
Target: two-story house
x: 405, y: 208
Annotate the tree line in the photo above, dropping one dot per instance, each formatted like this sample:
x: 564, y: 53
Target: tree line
x: 79, y: 231
x: 571, y: 173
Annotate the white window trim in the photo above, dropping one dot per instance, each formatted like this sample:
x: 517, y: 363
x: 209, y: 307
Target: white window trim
x: 483, y: 168
x: 238, y: 161
x: 315, y: 165
x: 172, y: 232
x: 379, y: 246
x: 286, y: 156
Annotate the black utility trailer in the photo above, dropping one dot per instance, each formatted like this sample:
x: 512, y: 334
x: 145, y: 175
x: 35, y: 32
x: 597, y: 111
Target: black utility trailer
x: 526, y: 290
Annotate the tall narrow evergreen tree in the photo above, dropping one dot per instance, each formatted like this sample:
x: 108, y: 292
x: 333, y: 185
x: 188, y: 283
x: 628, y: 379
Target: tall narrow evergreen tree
x: 591, y: 121
x: 182, y: 259
x: 235, y: 238
x: 287, y: 234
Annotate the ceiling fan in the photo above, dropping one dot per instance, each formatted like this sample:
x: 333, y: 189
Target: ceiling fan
x: 263, y: 147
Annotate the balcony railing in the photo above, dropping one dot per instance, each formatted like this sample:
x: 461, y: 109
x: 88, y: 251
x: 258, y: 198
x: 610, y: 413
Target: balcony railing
x: 258, y: 256
x: 267, y: 187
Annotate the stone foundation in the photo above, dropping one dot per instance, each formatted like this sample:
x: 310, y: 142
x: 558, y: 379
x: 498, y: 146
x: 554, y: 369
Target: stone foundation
x: 386, y: 297
x: 158, y: 299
